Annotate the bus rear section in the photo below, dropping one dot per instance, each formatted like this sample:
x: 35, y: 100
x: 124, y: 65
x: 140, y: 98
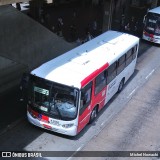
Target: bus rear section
x: 66, y: 93
x: 151, y: 31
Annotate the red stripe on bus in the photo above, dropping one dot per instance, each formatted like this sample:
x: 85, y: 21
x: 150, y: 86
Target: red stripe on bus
x: 45, y: 118
x: 35, y: 113
x: 93, y: 75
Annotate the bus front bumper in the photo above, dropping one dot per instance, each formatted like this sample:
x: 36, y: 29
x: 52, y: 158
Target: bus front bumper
x: 154, y: 39
x: 72, y: 131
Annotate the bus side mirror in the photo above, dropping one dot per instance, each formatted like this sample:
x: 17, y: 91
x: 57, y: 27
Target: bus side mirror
x: 144, y: 19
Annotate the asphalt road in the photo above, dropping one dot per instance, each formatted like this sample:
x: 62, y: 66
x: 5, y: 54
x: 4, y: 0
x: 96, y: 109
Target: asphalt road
x: 11, y: 108
x: 22, y: 136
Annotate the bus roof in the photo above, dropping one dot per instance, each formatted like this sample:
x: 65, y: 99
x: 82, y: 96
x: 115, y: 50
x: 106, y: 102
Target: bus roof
x: 155, y: 10
x: 75, y: 66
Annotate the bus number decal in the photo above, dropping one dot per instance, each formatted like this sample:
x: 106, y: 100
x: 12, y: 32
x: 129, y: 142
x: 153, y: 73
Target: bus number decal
x: 111, y: 85
x: 53, y: 122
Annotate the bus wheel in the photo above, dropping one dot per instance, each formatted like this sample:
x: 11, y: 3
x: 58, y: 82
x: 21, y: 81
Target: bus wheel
x: 93, y: 115
x: 121, y: 86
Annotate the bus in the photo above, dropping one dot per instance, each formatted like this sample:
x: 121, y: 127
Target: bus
x: 151, y: 31
x: 67, y: 92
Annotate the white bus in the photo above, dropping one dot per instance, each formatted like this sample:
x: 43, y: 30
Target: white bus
x: 151, y: 31
x: 67, y: 92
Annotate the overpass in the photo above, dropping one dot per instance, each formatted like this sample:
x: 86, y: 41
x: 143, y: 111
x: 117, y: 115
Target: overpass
x: 25, y: 44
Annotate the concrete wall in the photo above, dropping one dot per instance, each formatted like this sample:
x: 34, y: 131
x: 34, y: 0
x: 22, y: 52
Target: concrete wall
x: 25, y: 41
x: 4, y: 63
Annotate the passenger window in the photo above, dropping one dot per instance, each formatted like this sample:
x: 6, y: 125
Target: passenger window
x: 135, y: 48
x: 128, y: 54
x: 129, y: 57
x: 100, y: 82
x: 121, y: 64
x: 85, y: 97
x: 111, y: 72
x: 121, y: 60
x: 134, y: 52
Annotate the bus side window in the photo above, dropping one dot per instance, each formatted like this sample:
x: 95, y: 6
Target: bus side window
x: 129, y: 57
x: 111, y: 72
x: 121, y: 64
x: 134, y: 51
x: 85, y: 97
x: 100, y: 82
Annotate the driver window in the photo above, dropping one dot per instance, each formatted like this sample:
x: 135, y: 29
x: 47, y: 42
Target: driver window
x: 85, y: 97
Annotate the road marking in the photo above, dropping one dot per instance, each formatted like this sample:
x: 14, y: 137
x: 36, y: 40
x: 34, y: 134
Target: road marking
x: 69, y: 158
x: 132, y: 92
x: 79, y: 148
x: 108, y: 118
x: 75, y: 152
x: 137, y: 87
x: 102, y: 123
x: 150, y: 74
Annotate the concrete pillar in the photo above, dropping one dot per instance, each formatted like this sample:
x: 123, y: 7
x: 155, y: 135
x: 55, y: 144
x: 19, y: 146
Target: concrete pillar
x: 107, y: 14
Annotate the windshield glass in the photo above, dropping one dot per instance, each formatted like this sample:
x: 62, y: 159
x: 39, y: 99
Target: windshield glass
x: 55, y: 100
x: 152, y: 24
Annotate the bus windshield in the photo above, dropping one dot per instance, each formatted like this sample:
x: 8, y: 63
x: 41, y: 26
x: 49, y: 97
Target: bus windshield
x: 52, y: 99
x: 152, y: 23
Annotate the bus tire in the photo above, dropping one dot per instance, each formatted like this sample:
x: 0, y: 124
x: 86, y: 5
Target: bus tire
x: 120, y: 86
x: 93, y: 115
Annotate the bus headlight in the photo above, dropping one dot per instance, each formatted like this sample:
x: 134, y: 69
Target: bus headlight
x: 67, y: 125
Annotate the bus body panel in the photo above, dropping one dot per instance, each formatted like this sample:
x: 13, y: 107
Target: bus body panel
x: 112, y: 89
x: 86, y: 68
x: 72, y: 131
x: 99, y: 99
x: 84, y: 118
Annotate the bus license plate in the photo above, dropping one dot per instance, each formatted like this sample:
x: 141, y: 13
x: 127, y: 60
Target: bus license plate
x: 47, y: 126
